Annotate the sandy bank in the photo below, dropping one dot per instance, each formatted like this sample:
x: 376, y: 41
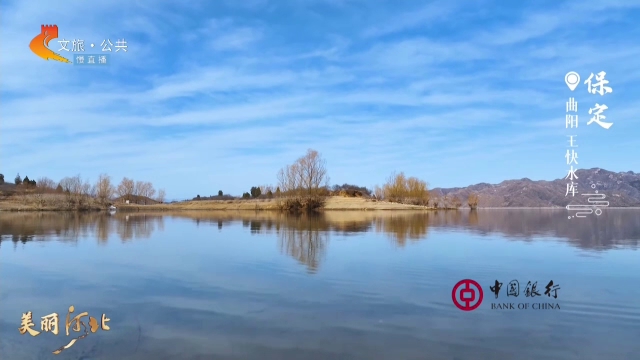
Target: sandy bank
x: 333, y: 203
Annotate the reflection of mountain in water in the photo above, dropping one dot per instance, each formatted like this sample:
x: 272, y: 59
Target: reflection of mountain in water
x: 306, y: 237
x: 615, y: 227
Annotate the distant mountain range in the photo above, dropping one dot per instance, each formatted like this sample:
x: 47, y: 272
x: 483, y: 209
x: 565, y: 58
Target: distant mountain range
x: 621, y: 189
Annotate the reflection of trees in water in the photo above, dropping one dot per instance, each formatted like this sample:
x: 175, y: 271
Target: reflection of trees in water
x: 305, y: 237
x: 69, y: 227
x: 403, y: 228
x: 306, y: 241
x: 66, y: 227
x: 473, y: 217
x: 138, y: 226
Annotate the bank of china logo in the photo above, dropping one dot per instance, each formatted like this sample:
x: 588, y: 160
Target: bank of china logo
x: 40, y: 44
x: 467, y: 295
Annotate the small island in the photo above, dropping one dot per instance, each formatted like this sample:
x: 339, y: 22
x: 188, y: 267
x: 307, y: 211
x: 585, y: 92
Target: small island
x: 301, y: 186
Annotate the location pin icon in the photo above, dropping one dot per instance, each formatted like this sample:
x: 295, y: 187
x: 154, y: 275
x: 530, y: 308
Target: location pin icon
x: 572, y: 79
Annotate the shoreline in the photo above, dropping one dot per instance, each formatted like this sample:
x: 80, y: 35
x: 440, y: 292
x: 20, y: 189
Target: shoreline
x: 333, y: 203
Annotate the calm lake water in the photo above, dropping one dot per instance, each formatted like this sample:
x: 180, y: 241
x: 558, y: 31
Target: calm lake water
x: 345, y: 285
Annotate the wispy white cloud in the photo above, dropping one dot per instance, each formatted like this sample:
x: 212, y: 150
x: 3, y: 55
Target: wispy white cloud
x: 426, y: 16
x: 223, y: 35
x: 417, y: 53
x: 531, y: 27
x: 541, y: 22
x: 228, y: 100
x: 236, y: 39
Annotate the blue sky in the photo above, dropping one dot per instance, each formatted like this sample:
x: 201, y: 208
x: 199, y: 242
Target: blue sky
x: 219, y: 95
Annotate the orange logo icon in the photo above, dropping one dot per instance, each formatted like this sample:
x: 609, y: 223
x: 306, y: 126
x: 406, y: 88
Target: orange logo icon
x: 40, y: 44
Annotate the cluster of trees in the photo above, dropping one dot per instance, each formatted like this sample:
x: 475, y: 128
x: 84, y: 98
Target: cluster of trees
x: 79, y: 190
x: 304, y: 184
x: 402, y: 189
x: 18, y: 180
x: 220, y: 196
x: 411, y: 190
x: 133, y: 191
x: 255, y: 192
x: 447, y: 202
x: 350, y: 190
x: 264, y: 191
x: 26, y: 181
x: 299, y: 184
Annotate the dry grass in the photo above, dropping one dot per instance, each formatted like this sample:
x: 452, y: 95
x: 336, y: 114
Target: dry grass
x: 356, y: 203
x: 49, y: 202
x: 331, y: 203
x: 57, y: 202
x: 253, y: 204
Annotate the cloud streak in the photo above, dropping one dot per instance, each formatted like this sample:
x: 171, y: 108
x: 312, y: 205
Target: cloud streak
x: 227, y: 100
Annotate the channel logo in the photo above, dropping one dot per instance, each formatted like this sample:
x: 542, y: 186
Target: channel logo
x: 40, y: 44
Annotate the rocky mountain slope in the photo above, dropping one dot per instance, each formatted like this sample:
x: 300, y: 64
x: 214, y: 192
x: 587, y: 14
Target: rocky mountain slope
x: 621, y: 189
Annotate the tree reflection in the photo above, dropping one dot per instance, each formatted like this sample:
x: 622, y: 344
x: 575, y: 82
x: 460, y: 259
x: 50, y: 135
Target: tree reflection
x: 137, y: 226
x: 403, y: 228
x: 306, y: 237
x: 70, y: 227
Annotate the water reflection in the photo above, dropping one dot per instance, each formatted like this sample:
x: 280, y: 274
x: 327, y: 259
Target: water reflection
x: 71, y: 227
x: 306, y: 237
x: 214, y: 286
x: 307, y: 245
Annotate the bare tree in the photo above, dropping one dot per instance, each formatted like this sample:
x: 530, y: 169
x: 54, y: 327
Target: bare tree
x: 307, y: 175
x: 288, y: 179
x: 75, y: 185
x: 378, y: 192
x: 126, y: 188
x: 104, y: 189
x: 314, y: 171
x: 138, y: 188
x: 76, y: 189
x: 46, y: 183
x: 150, y: 191
x: 161, y: 196
x: 145, y: 190
x: 265, y: 189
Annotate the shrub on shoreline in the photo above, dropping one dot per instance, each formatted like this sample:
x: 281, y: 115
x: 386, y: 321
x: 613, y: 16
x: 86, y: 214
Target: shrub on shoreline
x: 301, y: 203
